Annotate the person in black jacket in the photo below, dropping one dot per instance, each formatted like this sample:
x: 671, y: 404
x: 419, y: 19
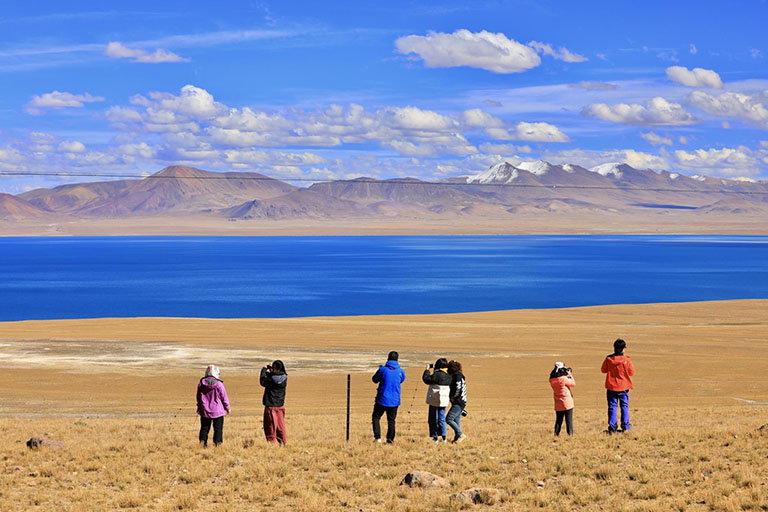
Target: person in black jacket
x: 438, y: 398
x: 458, y: 397
x: 274, y: 379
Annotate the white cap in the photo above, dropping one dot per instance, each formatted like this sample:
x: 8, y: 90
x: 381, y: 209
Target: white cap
x: 559, y: 365
x: 212, y: 371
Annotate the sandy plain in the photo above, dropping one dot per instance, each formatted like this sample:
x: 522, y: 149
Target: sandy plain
x: 661, y: 222
x: 120, y: 394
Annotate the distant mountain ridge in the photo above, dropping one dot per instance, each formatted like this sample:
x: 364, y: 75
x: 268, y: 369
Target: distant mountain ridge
x: 504, y: 190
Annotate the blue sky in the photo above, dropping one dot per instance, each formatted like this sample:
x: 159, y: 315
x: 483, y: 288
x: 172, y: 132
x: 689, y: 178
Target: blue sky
x: 341, y: 89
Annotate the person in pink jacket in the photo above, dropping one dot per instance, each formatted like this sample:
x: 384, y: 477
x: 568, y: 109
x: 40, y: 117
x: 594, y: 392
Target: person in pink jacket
x: 212, y: 405
x: 561, y: 380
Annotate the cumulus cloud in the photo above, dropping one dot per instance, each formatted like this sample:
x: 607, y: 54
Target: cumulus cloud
x: 71, y: 146
x: 194, y: 120
x: 750, y: 108
x: 57, y: 99
x: 484, y: 50
x: 594, y: 86
x: 740, y: 161
x: 504, y: 149
x: 477, y: 118
x: 696, y: 77
x: 658, y: 111
x: 656, y: 140
x: 117, y: 50
x: 532, y: 132
x: 561, y: 53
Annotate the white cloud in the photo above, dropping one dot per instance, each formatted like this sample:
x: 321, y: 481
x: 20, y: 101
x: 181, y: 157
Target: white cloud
x: 492, y: 103
x: 656, y: 140
x: 504, y: 149
x: 193, y: 102
x: 692, y: 48
x: 117, y: 50
x: 57, y: 99
x: 532, y: 132
x: 658, y: 111
x: 739, y: 161
x: 561, y: 53
x: 588, y: 159
x: 594, y: 86
x: 71, y: 146
x: 484, y: 50
x: 696, y: 77
x: 750, y: 108
x: 477, y: 118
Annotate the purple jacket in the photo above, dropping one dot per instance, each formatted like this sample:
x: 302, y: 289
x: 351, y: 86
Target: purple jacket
x: 212, y: 400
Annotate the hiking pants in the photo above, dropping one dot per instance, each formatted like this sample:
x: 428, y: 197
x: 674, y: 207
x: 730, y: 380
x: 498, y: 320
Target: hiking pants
x: 378, y: 412
x: 616, y: 399
x: 218, y: 430
x: 436, y: 420
x: 274, y: 424
x: 453, y: 419
x: 568, y: 415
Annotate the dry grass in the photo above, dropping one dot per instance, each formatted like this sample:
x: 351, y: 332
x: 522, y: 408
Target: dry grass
x: 687, y: 459
x: 131, y: 433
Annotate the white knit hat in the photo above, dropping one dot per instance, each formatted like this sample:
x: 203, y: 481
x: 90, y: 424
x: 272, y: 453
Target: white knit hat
x: 559, y: 365
x: 212, y: 371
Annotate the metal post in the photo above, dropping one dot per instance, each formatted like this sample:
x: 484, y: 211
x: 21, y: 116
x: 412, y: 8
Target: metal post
x: 349, y: 386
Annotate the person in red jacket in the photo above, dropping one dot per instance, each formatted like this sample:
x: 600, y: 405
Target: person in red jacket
x: 561, y: 380
x: 618, y: 371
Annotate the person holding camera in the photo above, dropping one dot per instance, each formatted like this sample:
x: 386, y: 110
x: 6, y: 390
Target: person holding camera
x: 438, y: 398
x: 561, y: 379
x: 389, y: 378
x: 458, y: 398
x: 212, y: 405
x: 618, y: 370
x: 274, y: 379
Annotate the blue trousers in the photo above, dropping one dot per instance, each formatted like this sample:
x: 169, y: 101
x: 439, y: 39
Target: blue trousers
x: 453, y: 419
x: 436, y: 421
x: 616, y: 399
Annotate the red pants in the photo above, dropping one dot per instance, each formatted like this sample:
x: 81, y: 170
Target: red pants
x: 274, y: 424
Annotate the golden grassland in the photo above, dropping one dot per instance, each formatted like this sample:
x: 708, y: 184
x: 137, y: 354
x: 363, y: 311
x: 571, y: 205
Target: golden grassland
x: 120, y: 394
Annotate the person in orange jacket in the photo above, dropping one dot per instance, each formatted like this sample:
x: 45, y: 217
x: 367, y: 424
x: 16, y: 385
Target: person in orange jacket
x: 561, y: 380
x: 618, y: 371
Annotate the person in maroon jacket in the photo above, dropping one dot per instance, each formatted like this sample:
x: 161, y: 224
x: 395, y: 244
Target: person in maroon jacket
x: 618, y: 370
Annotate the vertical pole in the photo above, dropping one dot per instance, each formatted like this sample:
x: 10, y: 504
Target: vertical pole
x: 349, y: 386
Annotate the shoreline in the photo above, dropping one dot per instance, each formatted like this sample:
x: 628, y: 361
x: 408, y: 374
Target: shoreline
x: 685, y: 353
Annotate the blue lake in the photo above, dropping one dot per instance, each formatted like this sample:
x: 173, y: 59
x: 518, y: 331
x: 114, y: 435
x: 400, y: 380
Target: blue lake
x: 220, y: 277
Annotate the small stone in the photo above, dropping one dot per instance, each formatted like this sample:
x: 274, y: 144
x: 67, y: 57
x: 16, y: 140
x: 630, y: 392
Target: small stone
x: 540, y: 484
x: 424, y: 479
x: 524, y: 461
x: 477, y: 496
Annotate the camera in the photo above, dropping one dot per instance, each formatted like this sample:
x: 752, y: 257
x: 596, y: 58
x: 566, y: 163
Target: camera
x: 269, y: 368
x: 464, y: 412
x: 431, y: 365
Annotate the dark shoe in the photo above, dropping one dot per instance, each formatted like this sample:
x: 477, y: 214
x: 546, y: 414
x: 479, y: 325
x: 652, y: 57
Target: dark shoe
x: 390, y: 441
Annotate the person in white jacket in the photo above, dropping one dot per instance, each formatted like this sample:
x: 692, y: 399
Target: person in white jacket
x: 438, y: 398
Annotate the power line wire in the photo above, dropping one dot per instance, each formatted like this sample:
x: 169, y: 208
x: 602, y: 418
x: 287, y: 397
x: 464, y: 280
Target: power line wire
x: 397, y: 181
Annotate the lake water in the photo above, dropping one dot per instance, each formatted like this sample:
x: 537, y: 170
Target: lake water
x: 220, y: 277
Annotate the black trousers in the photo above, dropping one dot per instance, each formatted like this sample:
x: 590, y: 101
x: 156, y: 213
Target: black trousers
x: 568, y: 415
x: 218, y: 429
x: 378, y: 412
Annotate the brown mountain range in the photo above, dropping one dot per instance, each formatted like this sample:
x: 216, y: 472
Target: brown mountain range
x: 530, y: 191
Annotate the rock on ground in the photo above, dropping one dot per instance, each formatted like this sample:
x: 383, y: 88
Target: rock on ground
x: 477, y: 496
x: 424, y: 479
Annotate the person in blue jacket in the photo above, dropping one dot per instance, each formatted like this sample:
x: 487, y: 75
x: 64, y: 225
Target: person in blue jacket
x: 388, y: 377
